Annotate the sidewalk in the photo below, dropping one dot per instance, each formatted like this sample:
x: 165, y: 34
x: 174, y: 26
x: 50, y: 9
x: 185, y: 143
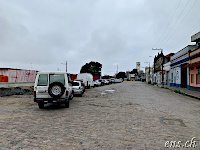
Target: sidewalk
x: 184, y: 91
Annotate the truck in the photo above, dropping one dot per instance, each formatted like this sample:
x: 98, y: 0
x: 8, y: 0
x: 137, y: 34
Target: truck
x: 87, y: 79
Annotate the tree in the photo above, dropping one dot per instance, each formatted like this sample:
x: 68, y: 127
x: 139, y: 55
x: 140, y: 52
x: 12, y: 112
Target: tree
x: 121, y: 75
x: 93, y: 67
x: 134, y: 71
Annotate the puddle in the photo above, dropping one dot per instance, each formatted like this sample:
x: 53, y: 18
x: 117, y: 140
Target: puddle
x: 103, y: 93
x: 176, y: 122
x: 110, y: 91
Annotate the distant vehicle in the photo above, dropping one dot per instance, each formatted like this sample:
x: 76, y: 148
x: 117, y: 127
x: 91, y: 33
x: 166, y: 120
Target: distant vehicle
x: 109, y: 80
x: 102, y: 82
x: 52, y: 87
x: 77, y: 88
x: 97, y: 83
x: 82, y: 83
x: 106, y: 81
x: 125, y: 79
x: 112, y: 80
x: 87, y: 79
x: 118, y: 80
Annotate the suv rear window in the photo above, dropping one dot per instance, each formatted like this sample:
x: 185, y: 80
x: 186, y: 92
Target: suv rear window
x: 43, y: 80
x: 57, y: 78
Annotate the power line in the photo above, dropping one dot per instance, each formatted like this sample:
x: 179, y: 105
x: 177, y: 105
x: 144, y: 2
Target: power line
x: 181, y: 22
x: 186, y: 37
x: 169, y: 22
x: 176, y: 21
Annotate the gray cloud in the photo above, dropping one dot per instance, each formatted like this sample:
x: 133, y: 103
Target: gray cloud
x: 43, y: 34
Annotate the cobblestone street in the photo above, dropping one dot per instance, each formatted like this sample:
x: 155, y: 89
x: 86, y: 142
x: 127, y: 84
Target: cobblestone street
x: 128, y: 115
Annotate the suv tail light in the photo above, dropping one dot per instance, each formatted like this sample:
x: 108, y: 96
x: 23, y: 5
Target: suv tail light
x: 34, y: 93
x: 67, y: 93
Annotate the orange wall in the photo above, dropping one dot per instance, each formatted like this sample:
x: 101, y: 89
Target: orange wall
x: 196, y: 59
x: 195, y: 72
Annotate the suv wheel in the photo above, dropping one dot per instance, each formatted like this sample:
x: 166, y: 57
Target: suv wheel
x: 67, y: 104
x: 41, y: 105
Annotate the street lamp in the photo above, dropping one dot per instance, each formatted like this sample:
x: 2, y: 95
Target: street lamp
x: 65, y: 64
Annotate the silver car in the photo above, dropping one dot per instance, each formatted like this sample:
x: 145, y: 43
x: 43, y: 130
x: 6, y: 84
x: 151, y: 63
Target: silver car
x: 77, y: 87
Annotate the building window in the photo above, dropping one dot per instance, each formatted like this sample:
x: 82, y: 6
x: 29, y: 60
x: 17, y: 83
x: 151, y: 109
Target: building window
x: 198, y: 77
x: 192, y: 78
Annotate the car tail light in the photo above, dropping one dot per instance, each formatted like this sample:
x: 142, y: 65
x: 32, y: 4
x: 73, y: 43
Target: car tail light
x: 67, y: 93
x: 34, y: 93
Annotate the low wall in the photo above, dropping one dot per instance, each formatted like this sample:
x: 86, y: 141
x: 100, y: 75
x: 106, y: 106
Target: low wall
x: 14, y: 84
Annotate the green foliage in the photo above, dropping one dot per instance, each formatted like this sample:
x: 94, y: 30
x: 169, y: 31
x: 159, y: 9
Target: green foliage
x: 134, y: 71
x: 121, y: 75
x: 92, y: 67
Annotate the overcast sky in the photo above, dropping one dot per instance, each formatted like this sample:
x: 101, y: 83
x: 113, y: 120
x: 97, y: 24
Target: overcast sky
x: 42, y: 34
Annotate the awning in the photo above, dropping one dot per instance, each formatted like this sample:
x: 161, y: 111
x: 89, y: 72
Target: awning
x: 191, y: 65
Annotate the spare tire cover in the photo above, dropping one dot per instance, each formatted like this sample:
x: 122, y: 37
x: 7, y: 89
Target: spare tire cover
x: 56, y: 89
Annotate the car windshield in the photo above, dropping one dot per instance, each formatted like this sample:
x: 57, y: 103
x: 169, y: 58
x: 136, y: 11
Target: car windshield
x: 75, y: 84
x: 43, y: 80
x: 57, y: 78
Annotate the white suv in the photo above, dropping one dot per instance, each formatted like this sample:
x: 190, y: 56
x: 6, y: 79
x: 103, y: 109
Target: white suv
x: 52, y: 87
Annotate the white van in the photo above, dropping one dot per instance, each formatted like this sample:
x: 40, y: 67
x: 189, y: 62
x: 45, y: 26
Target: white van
x: 87, y: 79
x: 52, y: 87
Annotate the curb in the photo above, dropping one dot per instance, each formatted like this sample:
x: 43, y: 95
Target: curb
x: 179, y: 92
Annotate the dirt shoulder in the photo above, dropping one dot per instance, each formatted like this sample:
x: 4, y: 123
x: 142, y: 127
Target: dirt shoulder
x: 16, y: 91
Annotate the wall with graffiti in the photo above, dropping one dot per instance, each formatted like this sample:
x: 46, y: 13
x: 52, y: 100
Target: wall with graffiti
x: 17, y: 75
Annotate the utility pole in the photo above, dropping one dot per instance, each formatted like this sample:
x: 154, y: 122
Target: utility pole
x: 66, y: 66
x: 162, y: 65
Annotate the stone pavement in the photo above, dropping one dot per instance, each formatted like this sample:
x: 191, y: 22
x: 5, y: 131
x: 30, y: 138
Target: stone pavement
x: 123, y: 116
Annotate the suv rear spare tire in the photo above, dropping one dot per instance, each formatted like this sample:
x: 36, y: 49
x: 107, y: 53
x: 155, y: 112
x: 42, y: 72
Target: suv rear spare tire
x: 56, y: 89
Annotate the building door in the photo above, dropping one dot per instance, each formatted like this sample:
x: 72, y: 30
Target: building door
x: 184, y: 77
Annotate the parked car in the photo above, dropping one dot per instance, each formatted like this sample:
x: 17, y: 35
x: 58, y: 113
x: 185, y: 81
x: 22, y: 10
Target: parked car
x: 118, y: 80
x: 87, y: 79
x: 77, y: 88
x: 106, y: 81
x: 97, y: 83
x: 52, y: 87
x: 112, y: 80
x: 109, y: 80
x: 102, y: 82
x: 82, y: 83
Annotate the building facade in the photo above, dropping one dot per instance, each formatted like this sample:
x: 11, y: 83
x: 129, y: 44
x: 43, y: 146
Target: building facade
x: 167, y: 77
x: 148, y: 72
x: 194, y: 64
x: 179, y: 72
x: 159, y: 61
